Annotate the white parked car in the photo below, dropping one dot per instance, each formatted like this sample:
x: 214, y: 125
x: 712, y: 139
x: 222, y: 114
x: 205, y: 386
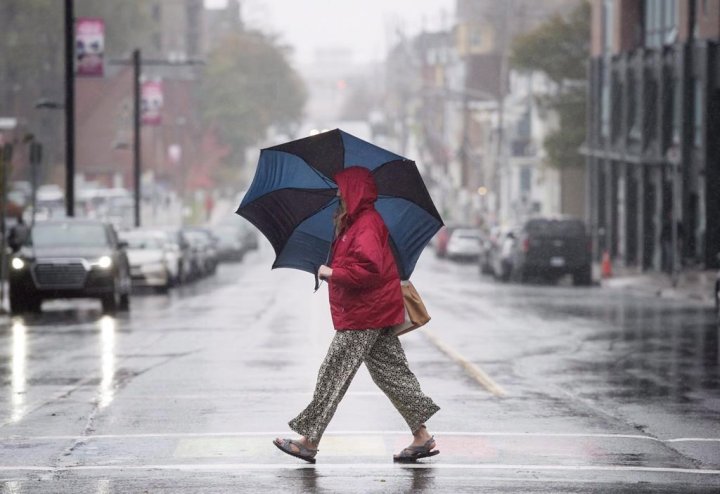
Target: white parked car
x: 153, y: 262
x: 464, y: 244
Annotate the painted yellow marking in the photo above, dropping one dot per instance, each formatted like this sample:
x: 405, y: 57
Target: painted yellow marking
x: 473, y: 370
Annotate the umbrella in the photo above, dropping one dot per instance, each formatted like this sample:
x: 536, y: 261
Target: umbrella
x: 292, y: 199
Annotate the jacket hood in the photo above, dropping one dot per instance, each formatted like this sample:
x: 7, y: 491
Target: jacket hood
x: 358, y: 190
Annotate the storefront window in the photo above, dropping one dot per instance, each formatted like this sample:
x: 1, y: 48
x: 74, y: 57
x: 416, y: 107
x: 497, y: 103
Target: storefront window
x: 660, y: 22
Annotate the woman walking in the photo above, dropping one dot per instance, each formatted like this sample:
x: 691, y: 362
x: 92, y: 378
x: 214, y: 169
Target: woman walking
x: 365, y: 301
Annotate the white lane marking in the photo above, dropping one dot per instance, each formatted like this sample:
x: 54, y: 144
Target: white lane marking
x: 473, y: 370
x: 356, y: 433
x: 366, y: 466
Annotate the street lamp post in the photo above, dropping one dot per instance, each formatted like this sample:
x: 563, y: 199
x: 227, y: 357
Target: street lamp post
x: 136, y: 134
x: 137, y: 64
x: 69, y: 109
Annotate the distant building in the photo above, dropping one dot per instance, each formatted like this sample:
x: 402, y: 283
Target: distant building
x: 222, y: 22
x: 177, y: 29
x: 104, y: 120
x: 480, y: 122
x: 653, y: 141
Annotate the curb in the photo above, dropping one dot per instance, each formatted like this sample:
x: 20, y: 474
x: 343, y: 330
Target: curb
x: 662, y: 292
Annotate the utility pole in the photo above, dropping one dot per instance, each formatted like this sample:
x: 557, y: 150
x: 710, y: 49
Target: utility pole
x: 137, y: 163
x: 500, y: 160
x: 69, y: 109
x: 35, y: 162
x: 6, y: 152
x: 682, y: 176
x: 137, y: 63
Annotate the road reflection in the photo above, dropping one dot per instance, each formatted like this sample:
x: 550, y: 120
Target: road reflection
x: 104, y: 486
x: 108, y: 327
x: 18, y: 386
x: 12, y: 487
x: 645, y: 348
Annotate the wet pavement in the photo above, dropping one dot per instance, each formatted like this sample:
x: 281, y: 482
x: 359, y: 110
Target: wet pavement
x: 542, y: 389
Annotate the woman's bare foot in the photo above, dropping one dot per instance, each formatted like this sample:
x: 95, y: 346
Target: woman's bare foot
x: 421, y: 437
x: 303, y: 440
x: 423, y: 446
x: 300, y: 448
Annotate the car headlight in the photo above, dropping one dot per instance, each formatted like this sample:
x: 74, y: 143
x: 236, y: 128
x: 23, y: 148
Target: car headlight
x: 104, y: 262
x: 17, y: 263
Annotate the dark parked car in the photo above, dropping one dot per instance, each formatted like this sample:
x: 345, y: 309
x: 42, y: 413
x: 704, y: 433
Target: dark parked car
x: 553, y: 247
x: 69, y: 258
x: 205, y: 247
x: 230, y: 243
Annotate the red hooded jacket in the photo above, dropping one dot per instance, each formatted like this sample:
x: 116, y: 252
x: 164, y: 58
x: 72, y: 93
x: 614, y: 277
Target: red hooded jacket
x: 365, y: 288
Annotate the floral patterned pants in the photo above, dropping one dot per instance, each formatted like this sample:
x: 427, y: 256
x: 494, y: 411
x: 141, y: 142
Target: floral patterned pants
x: 384, y: 357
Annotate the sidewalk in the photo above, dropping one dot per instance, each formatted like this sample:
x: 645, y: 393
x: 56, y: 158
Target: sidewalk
x: 693, y: 284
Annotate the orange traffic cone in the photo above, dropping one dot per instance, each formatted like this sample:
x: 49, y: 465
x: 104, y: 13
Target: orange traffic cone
x: 606, y: 266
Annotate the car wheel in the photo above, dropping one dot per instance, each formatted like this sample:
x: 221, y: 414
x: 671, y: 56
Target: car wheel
x: 518, y: 275
x: 124, y: 302
x: 485, y: 268
x: 22, y: 301
x: 109, y: 302
x: 18, y: 302
x: 583, y: 276
x: 506, y: 272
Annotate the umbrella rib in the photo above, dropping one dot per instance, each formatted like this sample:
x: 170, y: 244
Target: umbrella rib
x: 322, y: 177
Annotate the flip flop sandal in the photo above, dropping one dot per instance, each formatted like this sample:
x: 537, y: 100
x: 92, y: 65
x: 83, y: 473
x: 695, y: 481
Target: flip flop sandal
x: 412, y: 453
x: 304, y: 453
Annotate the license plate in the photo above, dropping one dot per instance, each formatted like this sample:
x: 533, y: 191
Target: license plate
x: 557, y: 262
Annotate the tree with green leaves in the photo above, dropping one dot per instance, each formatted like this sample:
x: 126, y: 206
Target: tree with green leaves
x: 559, y: 48
x: 249, y: 86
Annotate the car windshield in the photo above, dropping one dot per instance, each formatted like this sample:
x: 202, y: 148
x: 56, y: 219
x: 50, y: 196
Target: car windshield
x: 467, y: 234
x: 228, y: 235
x: 565, y: 228
x: 80, y: 234
x: 196, y: 237
x: 136, y: 241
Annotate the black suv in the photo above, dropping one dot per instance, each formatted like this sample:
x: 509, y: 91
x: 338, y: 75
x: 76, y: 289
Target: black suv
x: 552, y: 247
x: 69, y: 258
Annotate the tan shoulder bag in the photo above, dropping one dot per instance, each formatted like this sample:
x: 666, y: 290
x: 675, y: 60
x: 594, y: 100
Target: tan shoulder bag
x: 416, y: 315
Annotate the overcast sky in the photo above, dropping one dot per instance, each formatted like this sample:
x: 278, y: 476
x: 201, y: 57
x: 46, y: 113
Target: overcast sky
x: 366, y: 27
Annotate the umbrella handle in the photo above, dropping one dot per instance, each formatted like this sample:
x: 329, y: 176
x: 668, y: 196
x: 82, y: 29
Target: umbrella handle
x: 317, y: 282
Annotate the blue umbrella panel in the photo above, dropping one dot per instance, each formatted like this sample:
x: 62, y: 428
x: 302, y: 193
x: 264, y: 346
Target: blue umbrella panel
x: 292, y: 199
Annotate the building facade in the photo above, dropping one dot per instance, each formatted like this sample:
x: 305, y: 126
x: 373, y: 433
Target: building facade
x: 477, y: 123
x: 653, y: 143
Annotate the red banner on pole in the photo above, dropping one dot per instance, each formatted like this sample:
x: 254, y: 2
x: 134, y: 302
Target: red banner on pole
x: 151, y: 102
x: 89, y: 46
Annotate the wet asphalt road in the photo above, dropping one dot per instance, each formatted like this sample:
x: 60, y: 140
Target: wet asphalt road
x: 542, y: 389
